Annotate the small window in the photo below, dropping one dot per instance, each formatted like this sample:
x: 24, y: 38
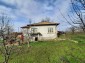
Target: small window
x: 50, y: 30
x: 34, y: 30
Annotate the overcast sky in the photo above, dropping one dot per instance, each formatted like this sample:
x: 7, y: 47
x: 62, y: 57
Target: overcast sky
x: 21, y: 11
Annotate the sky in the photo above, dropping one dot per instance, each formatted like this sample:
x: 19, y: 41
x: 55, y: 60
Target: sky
x: 23, y: 11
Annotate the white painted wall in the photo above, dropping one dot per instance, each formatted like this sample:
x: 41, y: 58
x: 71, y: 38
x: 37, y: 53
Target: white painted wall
x: 44, y: 31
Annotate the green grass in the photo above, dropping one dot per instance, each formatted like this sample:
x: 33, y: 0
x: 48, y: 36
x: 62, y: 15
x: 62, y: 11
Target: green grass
x: 63, y: 51
x: 80, y: 37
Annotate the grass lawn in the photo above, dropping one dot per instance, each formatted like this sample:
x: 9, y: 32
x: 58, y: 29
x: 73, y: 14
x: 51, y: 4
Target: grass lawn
x: 61, y: 51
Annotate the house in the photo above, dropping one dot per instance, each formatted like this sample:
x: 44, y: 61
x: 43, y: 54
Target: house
x: 43, y: 30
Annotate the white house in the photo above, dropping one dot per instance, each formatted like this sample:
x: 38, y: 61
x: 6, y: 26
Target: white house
x: 41, y: 31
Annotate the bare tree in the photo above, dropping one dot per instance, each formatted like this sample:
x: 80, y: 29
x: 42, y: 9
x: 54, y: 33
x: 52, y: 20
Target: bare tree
x: 72, y: 29
x: 82, y: 2
x: 5, y: 34
x: 28, y: 38
x: 28, y: 34
x: 78, y: 12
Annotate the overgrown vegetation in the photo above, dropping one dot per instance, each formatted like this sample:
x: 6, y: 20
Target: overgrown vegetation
x: 60, y: 51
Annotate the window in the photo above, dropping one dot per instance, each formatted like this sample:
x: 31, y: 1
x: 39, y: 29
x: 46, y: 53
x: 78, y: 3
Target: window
x: 50, y: 30
x: 34, y: 30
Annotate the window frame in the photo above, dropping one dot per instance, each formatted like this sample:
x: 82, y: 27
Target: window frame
x: 50, y: 30
x: 34, y: 30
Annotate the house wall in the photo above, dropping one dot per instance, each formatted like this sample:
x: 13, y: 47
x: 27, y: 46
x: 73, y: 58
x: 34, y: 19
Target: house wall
x: 44, y: 31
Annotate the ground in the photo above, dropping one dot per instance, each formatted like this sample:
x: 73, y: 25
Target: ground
x: 69, y: 50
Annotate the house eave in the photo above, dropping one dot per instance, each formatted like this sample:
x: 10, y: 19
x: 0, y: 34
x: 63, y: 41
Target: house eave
x: 28, y: 26
x: 42, y: 24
